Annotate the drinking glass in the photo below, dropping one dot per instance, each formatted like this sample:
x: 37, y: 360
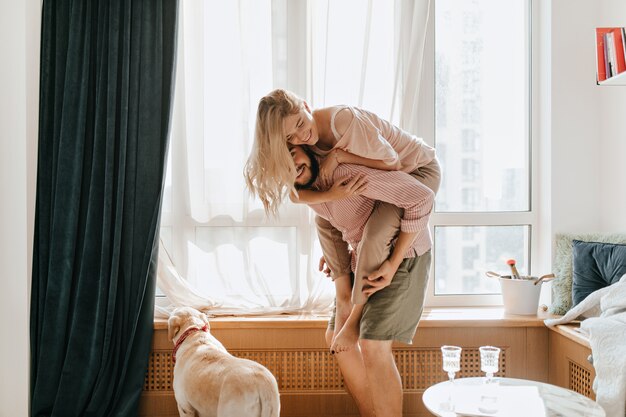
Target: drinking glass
x: 451, y: 356
x: 489, y: 358
x: 451, y: 360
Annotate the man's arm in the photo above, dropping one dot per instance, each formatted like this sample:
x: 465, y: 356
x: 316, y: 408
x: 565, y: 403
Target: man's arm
x: 382, y: 277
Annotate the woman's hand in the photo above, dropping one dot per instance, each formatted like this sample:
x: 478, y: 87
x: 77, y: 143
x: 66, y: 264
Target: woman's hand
x: 329, y: 164
x: 347, y: 187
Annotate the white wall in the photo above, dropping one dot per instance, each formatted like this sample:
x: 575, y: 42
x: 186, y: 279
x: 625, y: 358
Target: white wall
x: 612, y: 128
x: 575, y: 159
x: 588, y: 134
x: 19, y: 48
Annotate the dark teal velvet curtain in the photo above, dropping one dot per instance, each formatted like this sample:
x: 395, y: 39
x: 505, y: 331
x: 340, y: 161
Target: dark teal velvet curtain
x: 105, y: 98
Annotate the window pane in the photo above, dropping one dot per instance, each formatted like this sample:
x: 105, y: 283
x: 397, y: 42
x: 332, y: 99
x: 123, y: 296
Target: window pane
x: 245, y: 262
x: 481, y: 109
x: 464, y: 253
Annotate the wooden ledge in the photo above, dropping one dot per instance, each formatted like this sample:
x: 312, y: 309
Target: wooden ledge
x: 571, y: 331
x: 432, y: 317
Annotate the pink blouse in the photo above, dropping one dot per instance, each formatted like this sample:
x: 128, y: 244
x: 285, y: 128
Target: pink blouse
x: 371, y: 137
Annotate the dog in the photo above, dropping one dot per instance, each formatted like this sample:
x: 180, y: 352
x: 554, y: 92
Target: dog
x: 209, y: 381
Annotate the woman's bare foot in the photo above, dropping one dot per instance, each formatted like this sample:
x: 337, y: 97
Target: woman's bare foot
x: 342, y: 312
x: 346, y: 339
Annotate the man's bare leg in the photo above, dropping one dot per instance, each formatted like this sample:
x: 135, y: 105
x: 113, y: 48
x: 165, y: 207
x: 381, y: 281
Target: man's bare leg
x: 348, y: 335
x: 355, y: 378
x: 383, y: 377
x: 343, y: 303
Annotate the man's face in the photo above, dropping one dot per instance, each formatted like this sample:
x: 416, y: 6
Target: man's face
x: 300, y: 128
x: 307, y: 167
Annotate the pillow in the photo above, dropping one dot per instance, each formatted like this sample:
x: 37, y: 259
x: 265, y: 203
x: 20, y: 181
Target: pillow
x: 595, y: 265
x: 561, y: 287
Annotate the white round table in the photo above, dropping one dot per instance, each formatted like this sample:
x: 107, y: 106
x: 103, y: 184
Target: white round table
x: 558, y: 402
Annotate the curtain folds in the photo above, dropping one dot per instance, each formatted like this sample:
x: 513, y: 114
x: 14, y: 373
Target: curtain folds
x: 105, y: 97
x: 414, y: 17
x: 225, y: 257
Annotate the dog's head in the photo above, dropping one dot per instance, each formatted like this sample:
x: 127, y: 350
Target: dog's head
x: 183, y: 318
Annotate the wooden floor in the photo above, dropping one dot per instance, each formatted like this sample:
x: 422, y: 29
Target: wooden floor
x: 294, y: 350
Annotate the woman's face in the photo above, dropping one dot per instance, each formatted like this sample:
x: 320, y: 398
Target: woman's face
x: 300, y: 128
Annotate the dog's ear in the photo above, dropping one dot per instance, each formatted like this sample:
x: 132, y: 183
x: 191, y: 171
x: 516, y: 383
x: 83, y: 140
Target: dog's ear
x: 173, y: 326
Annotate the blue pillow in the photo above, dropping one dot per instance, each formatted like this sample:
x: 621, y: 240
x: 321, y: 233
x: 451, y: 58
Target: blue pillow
x: 595, y: 266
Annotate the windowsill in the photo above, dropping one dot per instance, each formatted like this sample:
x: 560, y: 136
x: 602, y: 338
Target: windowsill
x: 432, y: 317
x: 571, y: 331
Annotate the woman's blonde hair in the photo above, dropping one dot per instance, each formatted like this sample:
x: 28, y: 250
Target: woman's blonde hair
x: 269, y: 171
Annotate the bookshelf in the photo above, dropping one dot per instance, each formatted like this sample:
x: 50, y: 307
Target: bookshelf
x: 619, y: 79
x: 611, y: 56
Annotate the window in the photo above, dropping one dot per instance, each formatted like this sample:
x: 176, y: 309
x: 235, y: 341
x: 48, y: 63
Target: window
x: 483, y: 214
x: 230, y: 55
x: 474, y: 107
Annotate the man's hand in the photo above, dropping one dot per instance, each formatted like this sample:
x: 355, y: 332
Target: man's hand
x: 347, y: 187
x: 380, y: 278
x: 323, y: 266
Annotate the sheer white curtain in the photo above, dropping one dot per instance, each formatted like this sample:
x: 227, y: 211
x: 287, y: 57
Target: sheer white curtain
x: 370, y: 54
x: 219, y: 252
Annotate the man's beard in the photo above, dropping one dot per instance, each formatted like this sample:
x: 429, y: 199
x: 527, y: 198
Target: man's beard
x: 315, y: 169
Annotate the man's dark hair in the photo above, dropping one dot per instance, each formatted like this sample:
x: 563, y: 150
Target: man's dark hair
x: 315, y: 168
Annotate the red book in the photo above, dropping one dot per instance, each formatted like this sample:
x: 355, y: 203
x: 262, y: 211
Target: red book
x: 601, y: 58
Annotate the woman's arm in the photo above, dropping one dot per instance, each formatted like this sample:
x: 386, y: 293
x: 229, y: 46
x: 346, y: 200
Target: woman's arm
x: 343, y: 187
x: 344, y: 157
x: 339, y: 156
x: 311, y: 197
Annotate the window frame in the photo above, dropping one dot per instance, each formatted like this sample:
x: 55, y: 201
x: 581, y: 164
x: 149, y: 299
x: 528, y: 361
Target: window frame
x: 531, y: 217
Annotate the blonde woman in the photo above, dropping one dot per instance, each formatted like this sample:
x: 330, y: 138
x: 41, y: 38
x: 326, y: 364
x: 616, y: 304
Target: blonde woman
x: 339, y: 134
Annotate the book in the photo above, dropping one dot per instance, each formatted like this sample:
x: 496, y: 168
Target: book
x: 610, y: 52
x: 618, y: 43
x: 610, y: 56
x: 624, y: 41
x: 601, y: 56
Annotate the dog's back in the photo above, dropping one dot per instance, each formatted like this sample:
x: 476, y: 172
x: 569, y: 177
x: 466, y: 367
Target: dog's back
x: 251, y: 390
x: 209, y: 381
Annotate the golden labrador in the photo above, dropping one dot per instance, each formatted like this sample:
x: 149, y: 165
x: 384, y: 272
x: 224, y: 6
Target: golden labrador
x: 209, y: 381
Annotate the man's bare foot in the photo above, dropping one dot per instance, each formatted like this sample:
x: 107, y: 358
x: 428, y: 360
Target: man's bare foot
x: 346, y: 339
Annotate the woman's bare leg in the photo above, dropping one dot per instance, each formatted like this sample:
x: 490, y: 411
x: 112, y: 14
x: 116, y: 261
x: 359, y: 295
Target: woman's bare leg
x: 343, y: 304
x: 348, y: 336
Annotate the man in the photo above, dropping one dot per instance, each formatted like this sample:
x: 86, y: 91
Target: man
x: 395, y: 288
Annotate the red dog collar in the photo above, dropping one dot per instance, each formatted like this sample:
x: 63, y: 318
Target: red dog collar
x: 185, y: 335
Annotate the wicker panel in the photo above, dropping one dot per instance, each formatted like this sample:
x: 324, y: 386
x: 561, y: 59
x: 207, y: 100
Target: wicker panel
x: 160, y: 371
x: 579, y: 379
x: 313, y: 370
x: 317, y: 370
